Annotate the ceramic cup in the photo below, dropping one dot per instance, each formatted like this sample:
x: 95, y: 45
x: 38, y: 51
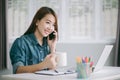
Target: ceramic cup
x: 61, y: 59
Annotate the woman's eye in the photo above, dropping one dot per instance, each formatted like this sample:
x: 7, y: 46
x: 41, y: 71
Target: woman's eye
x: 48, y: 22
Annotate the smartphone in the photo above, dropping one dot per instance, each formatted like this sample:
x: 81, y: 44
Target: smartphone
x: 52, y: 36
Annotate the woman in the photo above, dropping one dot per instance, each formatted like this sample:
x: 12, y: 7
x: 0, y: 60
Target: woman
x: 34, y: 50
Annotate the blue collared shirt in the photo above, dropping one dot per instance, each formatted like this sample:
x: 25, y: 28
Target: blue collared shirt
x: 27, y: 51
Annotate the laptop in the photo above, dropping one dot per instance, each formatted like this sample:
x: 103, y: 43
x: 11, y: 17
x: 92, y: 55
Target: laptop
x: 103, y: 58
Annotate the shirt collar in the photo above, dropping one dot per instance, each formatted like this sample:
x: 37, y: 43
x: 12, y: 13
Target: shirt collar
x: 35, y: 42
x: 33, y: 38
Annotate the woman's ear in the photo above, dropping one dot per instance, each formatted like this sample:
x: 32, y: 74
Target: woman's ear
x: 37, y: 22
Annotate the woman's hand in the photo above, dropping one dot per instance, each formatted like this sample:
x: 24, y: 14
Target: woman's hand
x: 50, y: 61
x: 52, y: 43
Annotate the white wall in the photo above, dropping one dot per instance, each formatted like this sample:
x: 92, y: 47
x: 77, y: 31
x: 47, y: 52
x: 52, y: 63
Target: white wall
x: 77, y: 49
x: 84, y: 49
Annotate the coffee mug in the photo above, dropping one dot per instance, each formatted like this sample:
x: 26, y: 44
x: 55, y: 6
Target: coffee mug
x: 61, y: 59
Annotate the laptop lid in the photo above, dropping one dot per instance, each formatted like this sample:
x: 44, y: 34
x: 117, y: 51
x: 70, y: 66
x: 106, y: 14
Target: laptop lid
x: 103, y: 58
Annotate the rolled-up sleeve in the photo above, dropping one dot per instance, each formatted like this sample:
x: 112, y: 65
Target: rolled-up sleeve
x: 17, y: 54
x: 16, y: 65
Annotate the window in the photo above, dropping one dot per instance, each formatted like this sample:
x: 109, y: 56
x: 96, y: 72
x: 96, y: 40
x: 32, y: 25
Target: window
x: 79, y: 20
x: 110, y: 12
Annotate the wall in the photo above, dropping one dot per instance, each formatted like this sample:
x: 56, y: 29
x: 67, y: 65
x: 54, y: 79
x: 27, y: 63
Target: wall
x: 77, y: 49
x: 93, y: 50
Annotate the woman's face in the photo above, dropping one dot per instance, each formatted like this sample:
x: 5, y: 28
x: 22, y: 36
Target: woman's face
x: 45, y: 26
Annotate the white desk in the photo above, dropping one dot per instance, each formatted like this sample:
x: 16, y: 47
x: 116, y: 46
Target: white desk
x: 107, y: 73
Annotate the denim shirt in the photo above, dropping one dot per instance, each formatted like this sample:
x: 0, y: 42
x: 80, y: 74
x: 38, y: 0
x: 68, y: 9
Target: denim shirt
x: 27, y: 51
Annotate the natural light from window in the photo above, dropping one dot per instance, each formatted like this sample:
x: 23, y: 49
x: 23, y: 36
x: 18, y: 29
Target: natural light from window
x: 79, y: 20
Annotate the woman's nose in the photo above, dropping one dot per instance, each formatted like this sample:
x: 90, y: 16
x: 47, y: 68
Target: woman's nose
x: 51, y: 27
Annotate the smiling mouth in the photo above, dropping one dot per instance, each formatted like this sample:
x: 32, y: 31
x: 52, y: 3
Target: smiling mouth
x: 46, y: 32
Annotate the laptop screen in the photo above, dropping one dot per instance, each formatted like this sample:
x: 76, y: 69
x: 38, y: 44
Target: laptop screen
x: 103, y: 58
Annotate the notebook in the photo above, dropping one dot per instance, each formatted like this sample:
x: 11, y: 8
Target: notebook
x: 49, y: 72
x: 103, y: 58
x: 60, y: 71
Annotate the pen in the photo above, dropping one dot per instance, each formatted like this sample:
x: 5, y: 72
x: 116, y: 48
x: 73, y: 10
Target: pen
x: 91, y: 64
x: 83, y: 60
x: 89, y: 59
x: 78, y: 59
x: 86, y: 59
x: 56, y: 71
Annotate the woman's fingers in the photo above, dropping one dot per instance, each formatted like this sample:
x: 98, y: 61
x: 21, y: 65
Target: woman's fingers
x: 51, y: 61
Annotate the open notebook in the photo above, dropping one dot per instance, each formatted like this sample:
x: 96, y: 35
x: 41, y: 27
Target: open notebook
x: 60, y: 71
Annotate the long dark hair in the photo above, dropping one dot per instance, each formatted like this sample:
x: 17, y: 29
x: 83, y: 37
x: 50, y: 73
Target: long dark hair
x: 42, y: 12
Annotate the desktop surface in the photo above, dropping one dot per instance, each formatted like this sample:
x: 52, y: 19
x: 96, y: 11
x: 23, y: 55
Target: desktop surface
x: 107, y: 73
